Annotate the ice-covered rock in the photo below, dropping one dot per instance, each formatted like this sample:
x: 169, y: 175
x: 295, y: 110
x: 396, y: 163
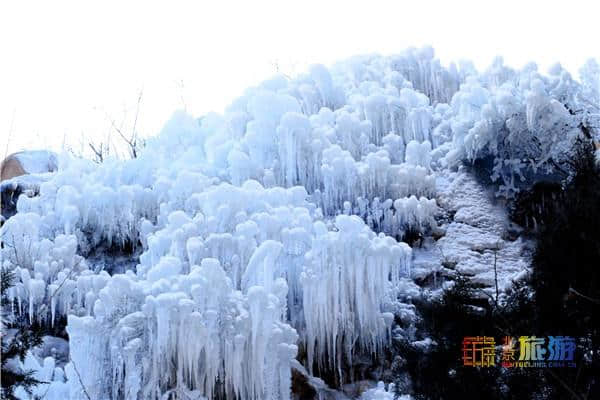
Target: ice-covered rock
x: 276, y: 224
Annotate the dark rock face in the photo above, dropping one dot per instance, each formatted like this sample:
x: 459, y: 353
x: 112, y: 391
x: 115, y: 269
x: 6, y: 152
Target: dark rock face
x: 301, y: 388
x: 10, y: 195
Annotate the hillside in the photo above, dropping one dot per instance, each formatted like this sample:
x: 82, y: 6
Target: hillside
x: 277, y: 249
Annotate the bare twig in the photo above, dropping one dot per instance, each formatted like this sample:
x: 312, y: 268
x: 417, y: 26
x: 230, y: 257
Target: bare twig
x: 47, y: 390
x: 64, y: 280
x: 575, y: 292
x: 10, y: 132
x: 14, y: 249
x: 98, y: 152
x: 132, y: 139
x: 496, y: 272
x: 80, y: 380
x: 563, y: 384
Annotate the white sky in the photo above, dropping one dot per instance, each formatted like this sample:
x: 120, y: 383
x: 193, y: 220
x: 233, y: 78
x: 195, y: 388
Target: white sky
x: 66, y: 67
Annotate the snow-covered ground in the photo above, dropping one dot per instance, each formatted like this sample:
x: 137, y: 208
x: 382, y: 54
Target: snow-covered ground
x: 476, y: 236
x: 240, y: 250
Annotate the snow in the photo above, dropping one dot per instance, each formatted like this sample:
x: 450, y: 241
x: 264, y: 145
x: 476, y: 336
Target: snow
x: 47, y: 371
x: 278, y: 225
x: 37, y: 161
x: 382, y: 393
x: 477, y: 236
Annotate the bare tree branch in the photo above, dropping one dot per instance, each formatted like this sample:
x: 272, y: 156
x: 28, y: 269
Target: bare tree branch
x: 10, y: 132
x: 132, y: 139
x: 595, y: 301
x: 99, y: 152
x: 80, y: 380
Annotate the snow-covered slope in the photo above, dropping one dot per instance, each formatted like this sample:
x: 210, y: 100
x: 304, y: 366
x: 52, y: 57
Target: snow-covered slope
x: 479, y: 234
x: 274, y: 232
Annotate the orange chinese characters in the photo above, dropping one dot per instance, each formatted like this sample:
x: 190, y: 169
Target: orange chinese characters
x: 479, y: 351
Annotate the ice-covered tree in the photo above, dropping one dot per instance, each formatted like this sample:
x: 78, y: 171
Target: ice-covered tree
x: 18, y: 337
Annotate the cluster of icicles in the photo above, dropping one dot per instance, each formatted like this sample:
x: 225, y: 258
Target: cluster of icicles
x: 258, y: 231
x: 221, y: 294
x: 270, y: 227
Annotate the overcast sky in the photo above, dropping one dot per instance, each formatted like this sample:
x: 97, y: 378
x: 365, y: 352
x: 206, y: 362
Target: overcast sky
x: 69, y: 67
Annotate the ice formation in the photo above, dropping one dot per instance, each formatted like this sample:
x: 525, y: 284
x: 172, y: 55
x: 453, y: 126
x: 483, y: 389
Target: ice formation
x: 213, y: 338
x: 345, y: 275
x: 275, y: 226
x: 382, y: 393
